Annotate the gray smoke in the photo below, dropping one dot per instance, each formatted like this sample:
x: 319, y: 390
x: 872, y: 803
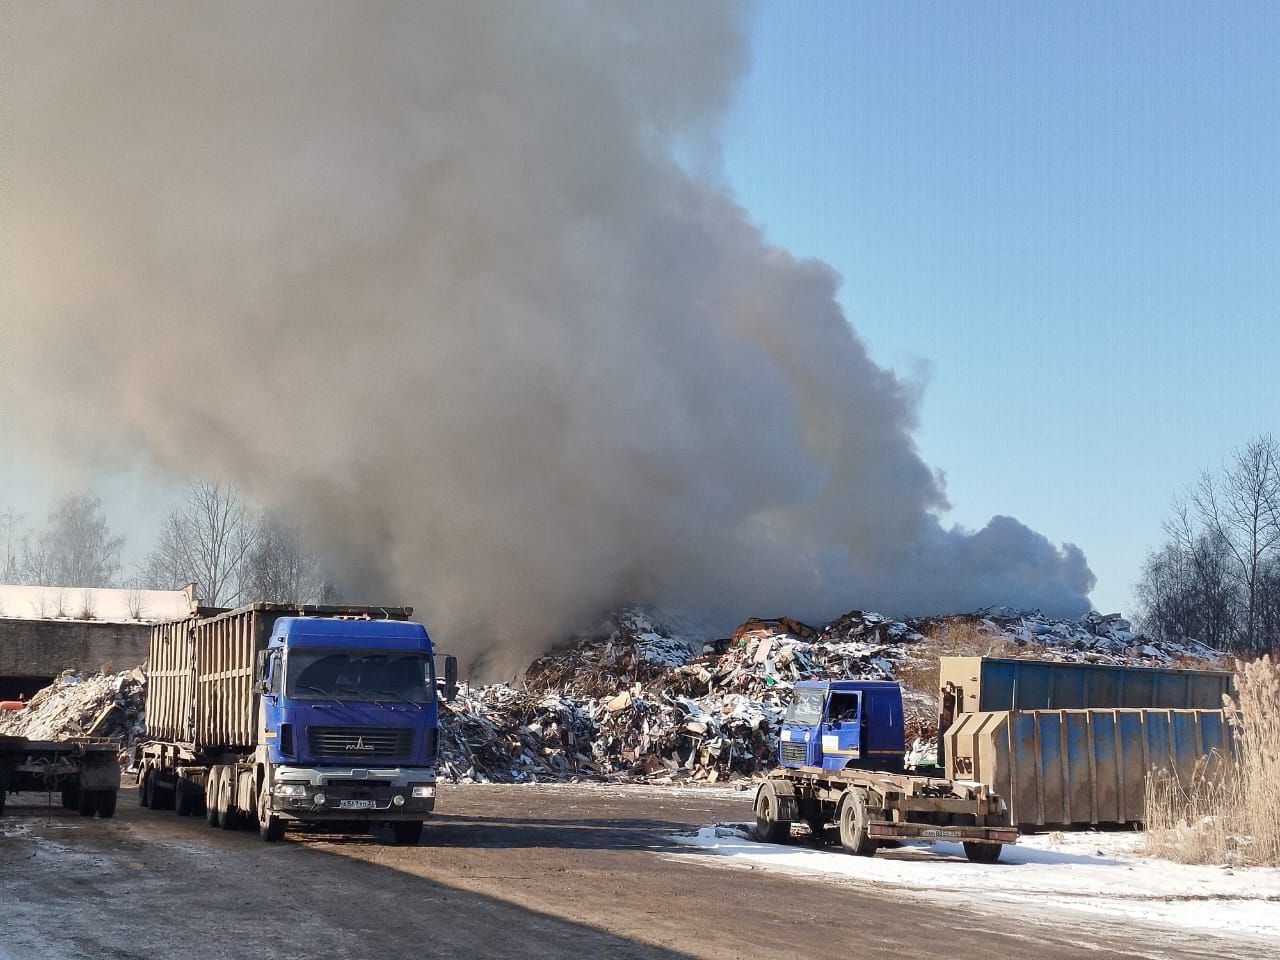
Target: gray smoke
x: 431, y: 275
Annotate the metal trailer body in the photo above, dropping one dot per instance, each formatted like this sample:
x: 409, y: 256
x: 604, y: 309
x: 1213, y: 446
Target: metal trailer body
x: 250, y: 722
x: 1083, y: 768
x: 990, y: 684
x: 84, y: 772
x: 840, y: 760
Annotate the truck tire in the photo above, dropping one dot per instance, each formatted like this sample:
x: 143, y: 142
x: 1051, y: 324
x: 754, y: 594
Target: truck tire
x: 227, y: 798
x: 107, y: 803
x: 184, y: 798
x: 71, y: 797
x: 211, y: 790
x: 407, y: 832
x: 983, y: 852
x: 270, y: 827
x: 818, y: 827
x: 852, y: 817
x: 144, y: 787
x: 88, y: 803
x: 770, y: 828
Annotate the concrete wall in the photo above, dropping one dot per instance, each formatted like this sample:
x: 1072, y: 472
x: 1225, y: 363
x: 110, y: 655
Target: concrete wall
x: 44, y: 648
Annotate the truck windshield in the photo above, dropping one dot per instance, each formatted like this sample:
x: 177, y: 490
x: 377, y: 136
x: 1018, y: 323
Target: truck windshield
x: 806, y: 708
x: 369, y: 675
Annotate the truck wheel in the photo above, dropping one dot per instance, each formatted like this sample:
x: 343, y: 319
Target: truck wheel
x: 226, y: 799
x: 407, y: 832
x: 211, y: 793
x: 769, y: 828
x: 144, y: 787
x: 107, y: 803
x: 88, y: 803
x: 818, y: 827
x: 983, y: 852
x: 71, y: 797
x: 184, y: 798
x: 270, y: 828
x: 853, y: 824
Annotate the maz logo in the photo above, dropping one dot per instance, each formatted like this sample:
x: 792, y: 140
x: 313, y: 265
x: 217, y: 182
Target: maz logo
x: 359, y: 744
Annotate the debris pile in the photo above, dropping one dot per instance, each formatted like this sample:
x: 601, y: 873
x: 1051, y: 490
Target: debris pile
x: 91, y: 705
x: 644, y: 701
x: 1094, y: 638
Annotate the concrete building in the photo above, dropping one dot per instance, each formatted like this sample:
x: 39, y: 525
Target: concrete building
x: 45, y: 630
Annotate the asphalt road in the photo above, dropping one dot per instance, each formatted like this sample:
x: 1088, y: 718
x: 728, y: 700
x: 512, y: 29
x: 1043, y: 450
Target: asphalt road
x: 546, y: 871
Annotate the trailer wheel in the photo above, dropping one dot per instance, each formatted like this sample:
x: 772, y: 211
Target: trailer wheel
x: 144, y: 795
x: 184, y: 800
x: 818, y: 827
x: 88, y: 803
x: 211, y: 789
x: 853, y: 824
x: 983, y: 852
x: 270, y: 828
x: 107, y: 803
x: 769, y: 827
x: 71, y: 797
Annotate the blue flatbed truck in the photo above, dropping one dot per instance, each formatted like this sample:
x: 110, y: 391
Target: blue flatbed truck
x: 840, y: 752
x: 276, y: 714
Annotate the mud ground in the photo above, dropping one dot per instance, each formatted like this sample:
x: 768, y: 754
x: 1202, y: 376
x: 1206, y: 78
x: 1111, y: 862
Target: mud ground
x: 502, y: 871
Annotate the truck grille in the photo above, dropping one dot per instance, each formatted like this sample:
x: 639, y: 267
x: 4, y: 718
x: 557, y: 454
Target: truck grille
x: 793, y: 752
x: 356, y: 743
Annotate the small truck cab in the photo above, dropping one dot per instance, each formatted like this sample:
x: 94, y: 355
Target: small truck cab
x: 836, y: 724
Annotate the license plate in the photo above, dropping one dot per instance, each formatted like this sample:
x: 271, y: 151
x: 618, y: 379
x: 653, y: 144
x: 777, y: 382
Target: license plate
x: 355, y: 804
x: 955, y: 834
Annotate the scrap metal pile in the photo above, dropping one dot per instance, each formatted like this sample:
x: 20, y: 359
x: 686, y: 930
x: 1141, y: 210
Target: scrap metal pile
x: 94, y: 705
x: 646, y: 701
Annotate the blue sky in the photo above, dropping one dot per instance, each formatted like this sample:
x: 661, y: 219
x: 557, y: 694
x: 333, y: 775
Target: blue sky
x: 1063, y: 216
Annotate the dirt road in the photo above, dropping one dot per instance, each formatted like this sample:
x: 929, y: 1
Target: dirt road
x: 547, y: 871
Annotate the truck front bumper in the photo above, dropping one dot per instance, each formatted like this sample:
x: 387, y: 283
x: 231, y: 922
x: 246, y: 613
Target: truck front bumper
x: 353, y: 793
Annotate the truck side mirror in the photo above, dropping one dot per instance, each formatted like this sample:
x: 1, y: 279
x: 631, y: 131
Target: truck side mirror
x: 450, y: 677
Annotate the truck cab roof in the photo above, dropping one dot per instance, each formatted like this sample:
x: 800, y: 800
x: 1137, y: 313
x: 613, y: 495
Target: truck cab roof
x: 839, y: 685
x: 328, y: 631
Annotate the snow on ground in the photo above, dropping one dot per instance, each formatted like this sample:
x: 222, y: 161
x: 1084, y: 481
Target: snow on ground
x: 1099, y: 873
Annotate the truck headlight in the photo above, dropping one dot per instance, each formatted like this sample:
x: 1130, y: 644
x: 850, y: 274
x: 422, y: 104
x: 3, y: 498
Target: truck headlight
x: 318, y: 800
x: 420, y: 793
x: 290, y: 790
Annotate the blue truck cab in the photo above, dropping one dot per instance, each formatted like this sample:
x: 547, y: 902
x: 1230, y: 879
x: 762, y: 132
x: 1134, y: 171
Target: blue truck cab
x: 348, y: 722
x: 834, y: 724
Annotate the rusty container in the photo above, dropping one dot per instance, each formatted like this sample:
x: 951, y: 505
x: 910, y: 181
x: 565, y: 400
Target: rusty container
x: 201, y: 690
x: 1081, y: 768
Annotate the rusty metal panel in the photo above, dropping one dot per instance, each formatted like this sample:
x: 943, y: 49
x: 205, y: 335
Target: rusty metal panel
x: 995, y: 683
x: 170, y: 680
x: 1080, y: 768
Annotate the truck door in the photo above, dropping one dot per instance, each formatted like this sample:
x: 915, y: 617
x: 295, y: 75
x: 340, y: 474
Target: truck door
x: 842, y: 729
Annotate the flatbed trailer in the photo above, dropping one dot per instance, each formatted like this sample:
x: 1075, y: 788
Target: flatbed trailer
x: 84, y: 771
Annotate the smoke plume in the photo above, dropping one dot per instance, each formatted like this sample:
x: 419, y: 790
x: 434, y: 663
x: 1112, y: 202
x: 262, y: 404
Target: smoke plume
x: 432, y: 275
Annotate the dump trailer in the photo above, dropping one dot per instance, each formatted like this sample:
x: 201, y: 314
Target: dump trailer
x: 276, y: 714
x: 84, y: 772
x: 1065, y: 769
x: 993, y: 684
x: 840, y: 755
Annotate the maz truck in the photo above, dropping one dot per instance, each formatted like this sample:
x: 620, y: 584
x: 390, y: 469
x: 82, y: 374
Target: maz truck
x: 274, y: 714
x: 840, y: 752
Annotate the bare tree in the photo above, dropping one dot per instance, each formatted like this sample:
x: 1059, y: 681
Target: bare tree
x: 1242, y: 509
x: 281, y: 568
x: 10, y: 545
x: 206, y: 539
x: 76, y: 549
